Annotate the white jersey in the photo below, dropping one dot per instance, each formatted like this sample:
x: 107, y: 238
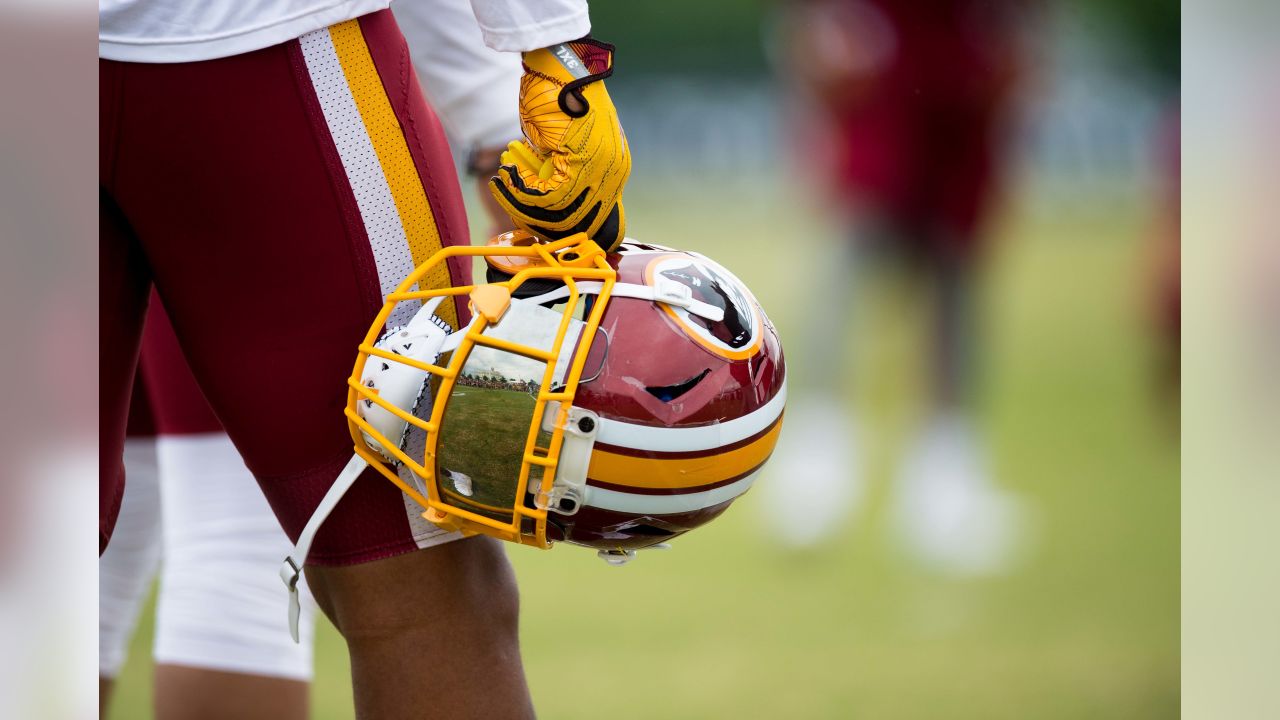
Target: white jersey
x: 165, y: 31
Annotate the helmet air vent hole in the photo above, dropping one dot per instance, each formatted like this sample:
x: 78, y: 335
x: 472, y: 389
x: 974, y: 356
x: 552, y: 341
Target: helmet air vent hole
x: 667, y: 393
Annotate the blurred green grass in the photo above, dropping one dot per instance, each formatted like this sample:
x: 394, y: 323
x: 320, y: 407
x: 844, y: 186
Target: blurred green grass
x: 728, y: 625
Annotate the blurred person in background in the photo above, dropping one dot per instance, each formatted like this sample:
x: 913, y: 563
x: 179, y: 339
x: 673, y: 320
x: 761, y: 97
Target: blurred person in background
x: 191, y: 507
x: 326, y: 167
x: 901, y: 122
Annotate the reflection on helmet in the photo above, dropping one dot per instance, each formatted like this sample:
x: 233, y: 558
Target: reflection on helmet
x: 613, y: 401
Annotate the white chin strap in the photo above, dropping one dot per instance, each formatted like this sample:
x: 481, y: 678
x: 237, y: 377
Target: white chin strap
x: 291, y: 569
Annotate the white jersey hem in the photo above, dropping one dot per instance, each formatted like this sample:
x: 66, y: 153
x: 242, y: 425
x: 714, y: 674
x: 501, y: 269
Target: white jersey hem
x: 232, y: 42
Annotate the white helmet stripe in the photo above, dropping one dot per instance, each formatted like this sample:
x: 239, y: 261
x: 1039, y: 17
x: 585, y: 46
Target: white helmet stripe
x: 670, y: 293
x: 667, y: 504
x: 689, y: 439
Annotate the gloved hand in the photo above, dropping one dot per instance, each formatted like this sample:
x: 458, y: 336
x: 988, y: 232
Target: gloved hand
x: 567, y: 175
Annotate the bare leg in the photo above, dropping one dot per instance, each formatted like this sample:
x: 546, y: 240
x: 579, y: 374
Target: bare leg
x: 188, y: 693
x: 431, y: 633
x: 816, y: 467
x: 952, y: 514
x: 953, y: 341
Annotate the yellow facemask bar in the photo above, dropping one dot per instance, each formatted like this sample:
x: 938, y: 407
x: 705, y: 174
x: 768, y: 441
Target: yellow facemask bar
x: 570, y: 260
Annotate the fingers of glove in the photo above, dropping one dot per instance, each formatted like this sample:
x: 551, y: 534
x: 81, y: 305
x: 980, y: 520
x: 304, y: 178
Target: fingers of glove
x: 541, y: 179
x: 582, y: 215
x: 520, y: 154
x: 604, y: 224
x: 587, y: 202
x: 527, y: 208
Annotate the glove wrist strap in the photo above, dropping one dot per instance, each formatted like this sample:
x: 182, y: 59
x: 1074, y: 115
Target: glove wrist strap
x: 586, y: 61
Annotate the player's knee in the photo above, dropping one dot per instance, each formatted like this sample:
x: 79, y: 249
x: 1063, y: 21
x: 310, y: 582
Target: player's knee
x: 463, y: 589
x: 499, y: 594
x: 481, y: 591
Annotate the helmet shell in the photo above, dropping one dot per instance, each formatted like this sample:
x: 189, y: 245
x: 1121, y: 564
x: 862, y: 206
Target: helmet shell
x: 689, y: 408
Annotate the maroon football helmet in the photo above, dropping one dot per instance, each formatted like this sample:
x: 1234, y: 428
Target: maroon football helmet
x: 685, y: 384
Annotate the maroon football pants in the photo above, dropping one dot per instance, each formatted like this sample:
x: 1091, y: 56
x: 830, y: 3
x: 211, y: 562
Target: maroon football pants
x: 272, y: 199
x: 166, y: 399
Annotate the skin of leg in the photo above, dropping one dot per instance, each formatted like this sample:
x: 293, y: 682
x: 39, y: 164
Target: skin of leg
x: 189, y: 693
x: 432, y: 634
x: 954, y: 325
x: 185, y: 693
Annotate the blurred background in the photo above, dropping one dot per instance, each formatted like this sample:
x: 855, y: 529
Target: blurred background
x: 962, y: 216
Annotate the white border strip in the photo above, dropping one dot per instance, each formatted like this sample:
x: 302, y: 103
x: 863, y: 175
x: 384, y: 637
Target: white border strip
x: 666, y: 504
x: 377, y: 206
x: 364, y: 171
x: 704, y: 437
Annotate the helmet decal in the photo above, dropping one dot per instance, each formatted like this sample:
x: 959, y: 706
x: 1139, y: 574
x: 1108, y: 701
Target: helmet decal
x: 735, y: 337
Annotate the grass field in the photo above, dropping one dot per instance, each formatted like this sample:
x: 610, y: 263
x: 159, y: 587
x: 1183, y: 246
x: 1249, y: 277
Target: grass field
x: 727, y: 625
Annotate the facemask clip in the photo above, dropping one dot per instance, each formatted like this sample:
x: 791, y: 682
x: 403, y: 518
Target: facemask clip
x: 569, y: 492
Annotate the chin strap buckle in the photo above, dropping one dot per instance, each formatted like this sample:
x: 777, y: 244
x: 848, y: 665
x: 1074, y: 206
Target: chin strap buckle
x: 291, y: 568
x: 290, y: 574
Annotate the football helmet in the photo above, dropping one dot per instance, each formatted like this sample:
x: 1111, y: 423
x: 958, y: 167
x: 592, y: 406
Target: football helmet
x: 613, y: 401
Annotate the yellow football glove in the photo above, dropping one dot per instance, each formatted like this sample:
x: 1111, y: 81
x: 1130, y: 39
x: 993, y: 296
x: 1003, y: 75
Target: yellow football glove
x: 567, y: 175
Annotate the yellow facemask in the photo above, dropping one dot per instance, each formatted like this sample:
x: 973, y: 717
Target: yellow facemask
x: 519, y: 346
